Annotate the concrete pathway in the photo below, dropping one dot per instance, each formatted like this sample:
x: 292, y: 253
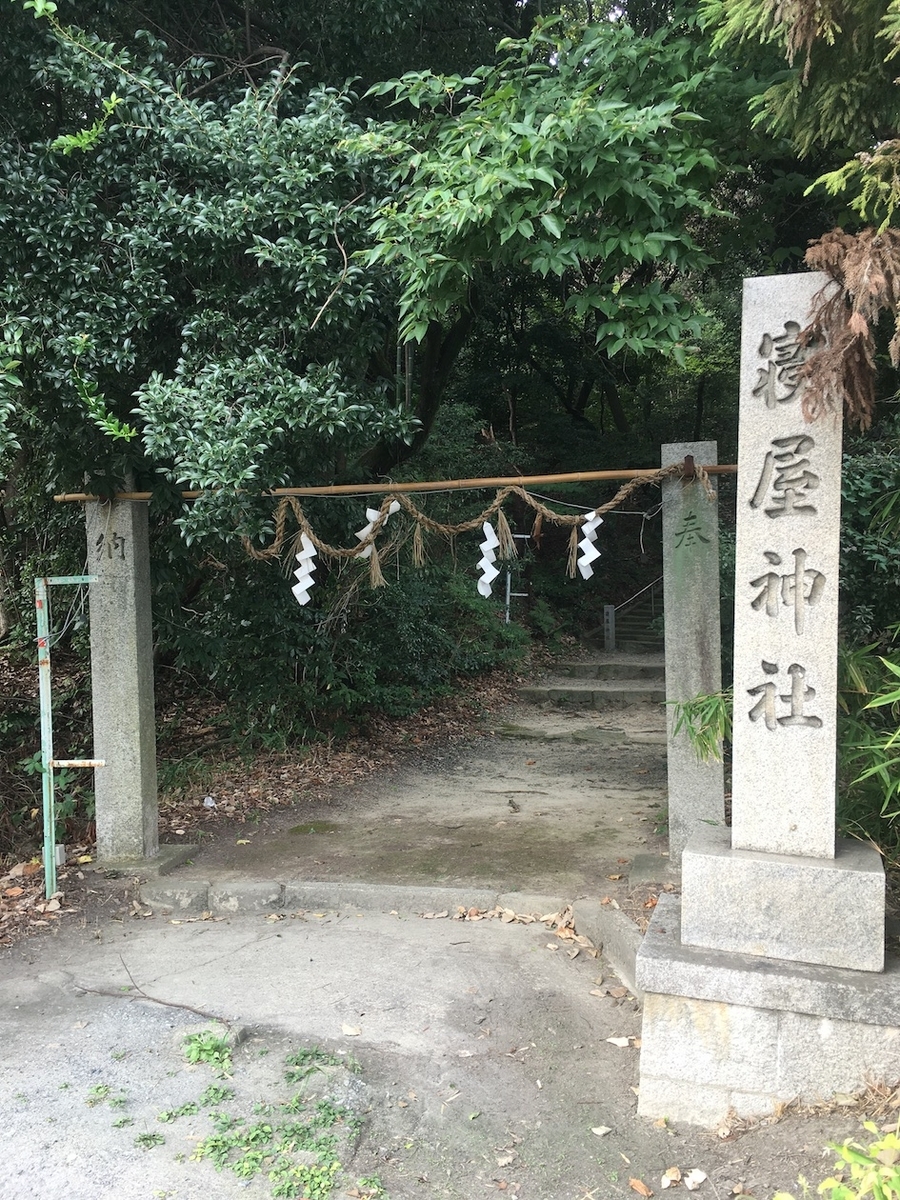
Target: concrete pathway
x: 483, y: 1051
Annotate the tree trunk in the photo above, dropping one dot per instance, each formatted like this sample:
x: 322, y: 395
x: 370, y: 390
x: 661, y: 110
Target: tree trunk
x: 698, y: 408
x: 614, y: 400
x: 438, y: 352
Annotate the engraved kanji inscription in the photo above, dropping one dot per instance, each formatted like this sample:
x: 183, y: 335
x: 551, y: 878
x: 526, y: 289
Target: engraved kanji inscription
x: 766, y: 707
x: 689, y: 533
x: 112, y: 543
x: 786, y: 481
x: 798, y: 589
x: 778, y: 380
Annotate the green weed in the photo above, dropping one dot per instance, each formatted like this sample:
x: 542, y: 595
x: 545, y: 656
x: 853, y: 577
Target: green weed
x: 146, y: 1141
x: 209, y: 1046
x: 306, y: 1062
x: 186, y: 1110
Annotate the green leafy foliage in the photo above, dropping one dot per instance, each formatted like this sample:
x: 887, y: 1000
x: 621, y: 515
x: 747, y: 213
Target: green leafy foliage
x: 870, y: 550
x: 839, y: 93
x: 706, y: 721
x: 86, y: 139
x: 860, y: 1171
x: 577, y: 156
x: 201, y: 259
x: 869, y: 746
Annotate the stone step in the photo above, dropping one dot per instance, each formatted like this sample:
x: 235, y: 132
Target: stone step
x: 595, y: 693
x: 618, y: 666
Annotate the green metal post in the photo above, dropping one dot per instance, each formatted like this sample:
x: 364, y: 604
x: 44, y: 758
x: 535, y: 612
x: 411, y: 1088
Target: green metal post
x: 41, y: 596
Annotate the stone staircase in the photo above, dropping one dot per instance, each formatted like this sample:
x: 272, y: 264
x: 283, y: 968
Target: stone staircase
x: 607, y: 679
x: 638, y: 628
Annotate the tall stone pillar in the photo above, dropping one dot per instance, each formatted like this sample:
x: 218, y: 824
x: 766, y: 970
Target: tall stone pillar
x: 693, y: 640
x: 763, y: 983
x: 122, y: 681
x: 777, y: 885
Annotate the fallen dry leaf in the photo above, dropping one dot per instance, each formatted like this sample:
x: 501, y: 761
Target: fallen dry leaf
x: 672, y: 1175
x: 614, y: 877
x: 619, y: 1041
x: 597, y: 992
x: 638, y: 1185
x: 505, y: 1159
x: 601, y: 1130
x: 693, y: 1179
x: 351, y: 1030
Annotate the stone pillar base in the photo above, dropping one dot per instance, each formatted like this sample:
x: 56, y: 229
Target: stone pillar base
x: 166, y: 859
x: 735, y: 1034
x: 807, y: 910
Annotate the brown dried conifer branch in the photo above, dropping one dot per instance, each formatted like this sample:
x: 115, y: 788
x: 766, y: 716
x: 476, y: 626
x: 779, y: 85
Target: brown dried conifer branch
x: 841, y: 371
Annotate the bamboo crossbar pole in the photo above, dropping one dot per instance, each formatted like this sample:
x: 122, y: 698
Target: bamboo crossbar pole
x: 444, y: 485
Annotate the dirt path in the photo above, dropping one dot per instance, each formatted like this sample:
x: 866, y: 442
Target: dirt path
x: 542, y: 800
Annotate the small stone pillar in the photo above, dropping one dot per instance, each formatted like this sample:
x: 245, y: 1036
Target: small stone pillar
x: 693, y: 640
x: 762, y: 983
x: 122, y: 681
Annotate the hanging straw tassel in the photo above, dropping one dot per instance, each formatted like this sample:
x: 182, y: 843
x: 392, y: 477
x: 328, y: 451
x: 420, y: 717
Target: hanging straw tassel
x: 507, y: 547
x: 376, y: 579
x: 418, y: 547
x: 573, y: 553
x: 537, y: 529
